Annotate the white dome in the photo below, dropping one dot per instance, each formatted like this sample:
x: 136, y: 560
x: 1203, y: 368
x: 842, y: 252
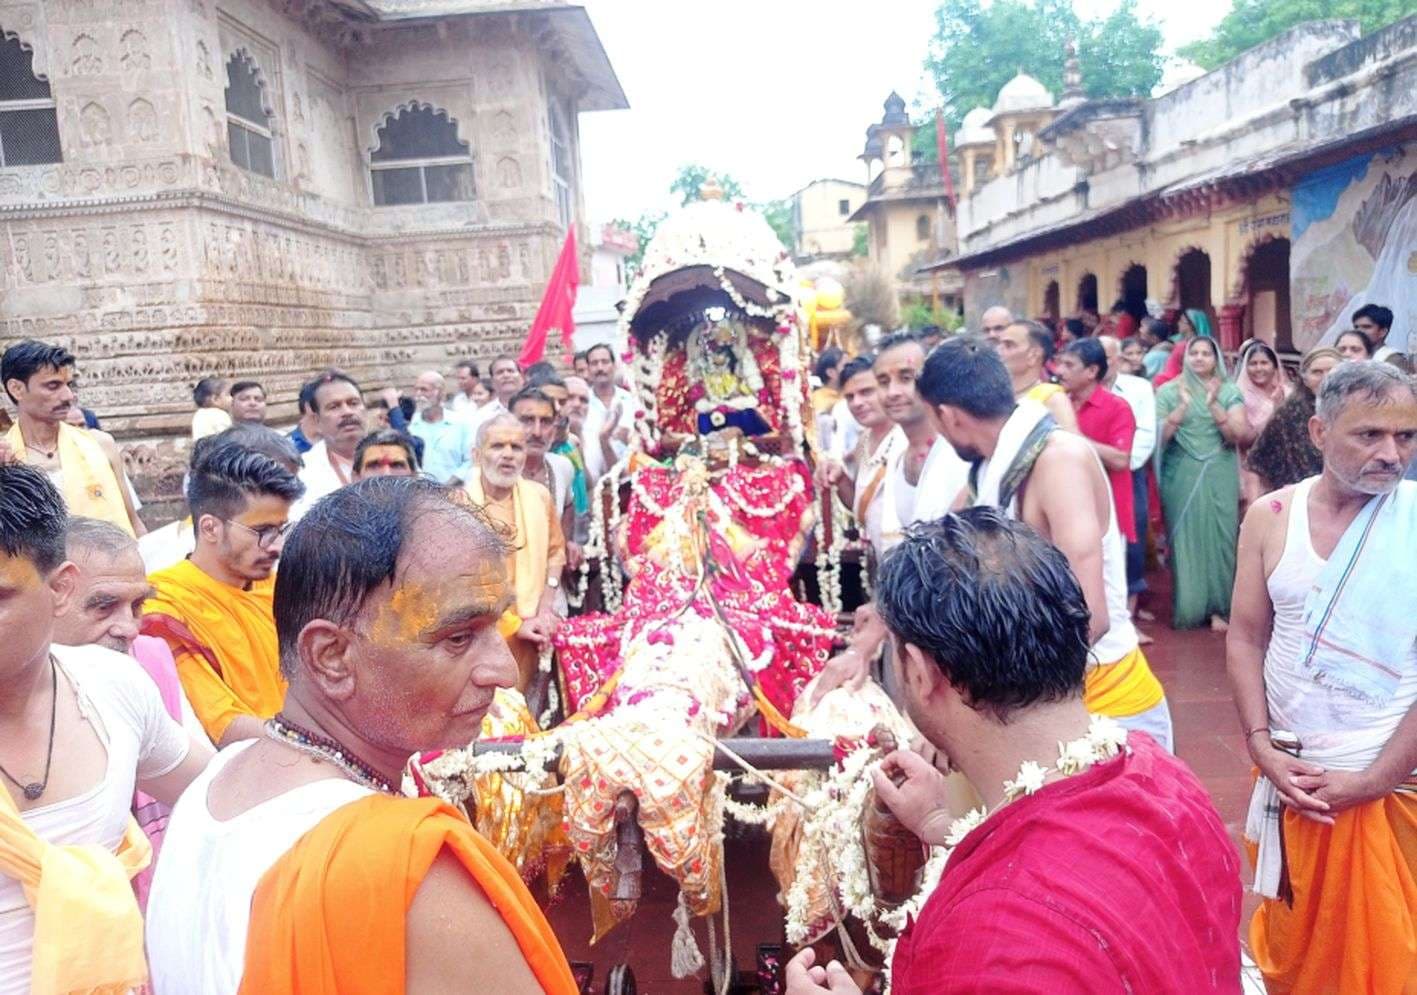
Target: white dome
x: 974, y: 129
x: 1022, y: 93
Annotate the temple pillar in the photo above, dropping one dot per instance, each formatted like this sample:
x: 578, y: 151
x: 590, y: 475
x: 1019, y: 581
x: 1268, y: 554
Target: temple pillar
x: 1232, y: 322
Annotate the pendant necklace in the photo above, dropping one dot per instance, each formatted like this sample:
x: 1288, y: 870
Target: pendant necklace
x: 46, y: 453
x: 34, y: 789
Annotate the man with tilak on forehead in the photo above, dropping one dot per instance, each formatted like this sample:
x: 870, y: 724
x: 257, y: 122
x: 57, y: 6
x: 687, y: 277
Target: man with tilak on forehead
x: 387, y: 605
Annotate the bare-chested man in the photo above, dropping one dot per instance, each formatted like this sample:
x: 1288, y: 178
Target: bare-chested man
x: 1322, y: 654
x: 1055, y: 482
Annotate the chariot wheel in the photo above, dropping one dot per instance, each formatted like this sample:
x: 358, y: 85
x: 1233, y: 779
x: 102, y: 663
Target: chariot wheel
x: 620, y: 981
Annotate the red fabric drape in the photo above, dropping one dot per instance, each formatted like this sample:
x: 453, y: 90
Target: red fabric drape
x: 557, y: 304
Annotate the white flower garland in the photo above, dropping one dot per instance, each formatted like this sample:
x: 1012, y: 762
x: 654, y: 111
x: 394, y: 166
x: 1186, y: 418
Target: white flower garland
x: 832, y: 847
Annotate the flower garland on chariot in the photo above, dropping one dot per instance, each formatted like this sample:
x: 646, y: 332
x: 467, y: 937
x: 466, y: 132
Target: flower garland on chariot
x: 696, y: 533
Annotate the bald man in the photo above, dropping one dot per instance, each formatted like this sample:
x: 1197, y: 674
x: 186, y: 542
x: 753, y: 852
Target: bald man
x: 994, y: 321
x: 447, y: 443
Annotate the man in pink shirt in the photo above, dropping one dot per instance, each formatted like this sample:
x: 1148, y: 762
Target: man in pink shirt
x: 1099, y: 864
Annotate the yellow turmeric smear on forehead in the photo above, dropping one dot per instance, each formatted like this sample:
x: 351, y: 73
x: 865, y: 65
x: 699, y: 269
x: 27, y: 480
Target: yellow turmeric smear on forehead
x: 18, y: 572
x: 415, y: 609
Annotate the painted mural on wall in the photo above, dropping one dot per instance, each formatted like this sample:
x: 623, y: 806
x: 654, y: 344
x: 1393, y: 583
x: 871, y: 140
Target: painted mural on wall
x: 1354, y: 232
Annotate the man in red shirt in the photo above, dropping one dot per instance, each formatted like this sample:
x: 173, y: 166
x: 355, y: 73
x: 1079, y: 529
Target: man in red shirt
x: 1105, y: 420
x: 1111, y: 874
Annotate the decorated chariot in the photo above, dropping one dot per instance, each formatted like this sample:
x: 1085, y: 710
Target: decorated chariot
x: 681, y: 710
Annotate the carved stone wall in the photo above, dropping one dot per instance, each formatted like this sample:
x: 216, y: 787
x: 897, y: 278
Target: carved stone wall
x: 158, y: 261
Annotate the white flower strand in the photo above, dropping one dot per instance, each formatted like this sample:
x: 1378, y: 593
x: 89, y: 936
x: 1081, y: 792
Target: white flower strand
x: 832, y: 845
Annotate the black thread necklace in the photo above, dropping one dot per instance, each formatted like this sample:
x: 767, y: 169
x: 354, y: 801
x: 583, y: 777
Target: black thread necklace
x: 35, y: 789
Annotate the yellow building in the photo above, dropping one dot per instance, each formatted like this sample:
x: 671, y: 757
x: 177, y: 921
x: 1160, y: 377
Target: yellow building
x: 911, y: 223
x: 821, y: 219
x: 1262, y: 193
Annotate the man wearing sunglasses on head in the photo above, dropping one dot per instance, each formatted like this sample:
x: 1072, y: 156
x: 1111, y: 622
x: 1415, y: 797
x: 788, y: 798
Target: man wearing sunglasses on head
x: 214, y: 608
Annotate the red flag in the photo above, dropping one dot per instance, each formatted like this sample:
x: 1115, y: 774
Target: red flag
x: 942, y: 148
x: 557, y: 304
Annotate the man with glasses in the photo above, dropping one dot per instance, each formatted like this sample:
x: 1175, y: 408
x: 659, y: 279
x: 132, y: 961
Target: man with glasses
x: 214, y: 608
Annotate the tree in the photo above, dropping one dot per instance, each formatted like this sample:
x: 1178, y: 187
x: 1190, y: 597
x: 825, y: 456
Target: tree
x: 860, y: 246
x: 643, y: 228
x: 1251, y: 22
x: 692, y: 176
x: 979, y: 46
x: 778, y: 214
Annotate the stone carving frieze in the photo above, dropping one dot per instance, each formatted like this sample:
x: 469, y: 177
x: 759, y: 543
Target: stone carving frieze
x: 97, y: 252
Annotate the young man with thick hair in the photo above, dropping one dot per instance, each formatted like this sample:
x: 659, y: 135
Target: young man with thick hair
x: 214, y: 608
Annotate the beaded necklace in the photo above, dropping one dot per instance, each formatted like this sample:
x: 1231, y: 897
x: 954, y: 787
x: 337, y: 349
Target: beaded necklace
x: 298, y: 738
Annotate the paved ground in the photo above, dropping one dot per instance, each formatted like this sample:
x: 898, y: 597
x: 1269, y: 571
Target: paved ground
x: 1191, y: 665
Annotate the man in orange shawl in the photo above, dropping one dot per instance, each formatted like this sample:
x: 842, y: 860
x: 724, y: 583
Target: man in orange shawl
x: 214, y: 608
x: 525, y: 511
x: 387, y: 606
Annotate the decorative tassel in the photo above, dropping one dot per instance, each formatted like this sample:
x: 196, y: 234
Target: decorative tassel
x: 685, y: 958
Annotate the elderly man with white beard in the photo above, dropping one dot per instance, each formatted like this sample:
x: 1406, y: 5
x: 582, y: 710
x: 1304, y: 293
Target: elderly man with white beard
x: 1322, y: 654
x: 526, y: 513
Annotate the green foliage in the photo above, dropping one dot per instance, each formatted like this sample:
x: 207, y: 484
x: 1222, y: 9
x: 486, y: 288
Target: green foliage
x: 918, y: 314
x: 979, y: 46
x: 686, y: 185
x: 693, y: 175
x: 1251, y: 22
x: 644, y: 228
x: 860, y: 239
x: 779, y: 216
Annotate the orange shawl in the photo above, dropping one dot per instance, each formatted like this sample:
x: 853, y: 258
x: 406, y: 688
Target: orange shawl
x: 326, y: 919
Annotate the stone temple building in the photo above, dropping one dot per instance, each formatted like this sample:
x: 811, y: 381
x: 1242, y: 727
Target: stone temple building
x: 1277, y: 193
x: 264, y: 188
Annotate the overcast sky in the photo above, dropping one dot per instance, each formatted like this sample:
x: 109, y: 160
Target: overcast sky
x: 774, y: 92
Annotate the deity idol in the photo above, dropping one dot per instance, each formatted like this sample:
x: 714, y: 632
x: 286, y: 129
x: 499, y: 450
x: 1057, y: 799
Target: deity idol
x: 703, y: 523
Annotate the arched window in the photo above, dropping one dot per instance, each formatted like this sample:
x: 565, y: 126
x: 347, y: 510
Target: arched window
x: 922, y: 228
x: 420, y: 159
x: 29, y: 124
x: 248, y: 121
x: 560, y: 164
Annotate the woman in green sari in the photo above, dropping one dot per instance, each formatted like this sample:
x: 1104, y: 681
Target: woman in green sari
x: 1203, y: 417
